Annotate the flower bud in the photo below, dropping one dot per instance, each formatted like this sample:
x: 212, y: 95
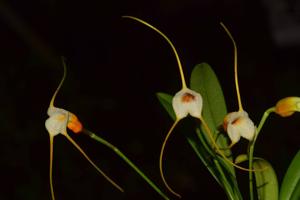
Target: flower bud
x: 74, y: 124
x: 287, y: 106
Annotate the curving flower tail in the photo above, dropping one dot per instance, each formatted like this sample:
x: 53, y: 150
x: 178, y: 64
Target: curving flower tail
x: 57, y: 123
x: 238, y: 124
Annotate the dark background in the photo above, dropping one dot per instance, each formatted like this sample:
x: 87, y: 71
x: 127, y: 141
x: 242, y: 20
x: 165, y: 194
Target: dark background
x: 115, y: 67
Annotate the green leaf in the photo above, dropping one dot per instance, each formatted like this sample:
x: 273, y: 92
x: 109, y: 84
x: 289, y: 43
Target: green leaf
x: 204, y: 81
x: 265, y: 176
x: 290, y: 188
x: 166, y: 102
x: 266, y: 180
x: 213, y: 163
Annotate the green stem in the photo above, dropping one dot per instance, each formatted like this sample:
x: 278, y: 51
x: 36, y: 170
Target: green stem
x: 251, y: 149
x: 119, y: 153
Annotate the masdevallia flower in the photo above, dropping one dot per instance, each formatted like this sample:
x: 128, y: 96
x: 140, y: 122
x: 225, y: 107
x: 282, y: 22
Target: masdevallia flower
x: 187, y: 101
x: 238, y: 124
x: 58, y: 122
x: 287, y: 106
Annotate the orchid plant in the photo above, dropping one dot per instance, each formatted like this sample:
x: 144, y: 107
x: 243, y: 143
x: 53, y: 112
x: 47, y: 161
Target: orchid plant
x: 211, y: 138
x: 204, y: 101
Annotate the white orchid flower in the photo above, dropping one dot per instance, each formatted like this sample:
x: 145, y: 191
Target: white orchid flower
x: 187, y: 102
x: 238, y: 124
x: 57, y: 123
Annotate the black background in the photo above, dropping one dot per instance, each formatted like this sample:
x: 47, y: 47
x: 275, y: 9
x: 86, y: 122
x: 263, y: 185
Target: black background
x: 115, y: 67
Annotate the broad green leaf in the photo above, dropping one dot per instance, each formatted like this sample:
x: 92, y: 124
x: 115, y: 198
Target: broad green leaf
x: 166, y: 102
x: 296, y: 194
x: 205, y: 154
x: 290, y: 188
x: 265, y: 176
x: 266, y: 180
x: 217, y: 166
x: 210, y: 165
x: 204, y: 81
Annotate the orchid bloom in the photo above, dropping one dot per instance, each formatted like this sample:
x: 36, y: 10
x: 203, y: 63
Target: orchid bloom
x: 59, y: 120
x: 57, y: 123
x: 238, y: 124
x: 287, y: 106
x: 185, y: 102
